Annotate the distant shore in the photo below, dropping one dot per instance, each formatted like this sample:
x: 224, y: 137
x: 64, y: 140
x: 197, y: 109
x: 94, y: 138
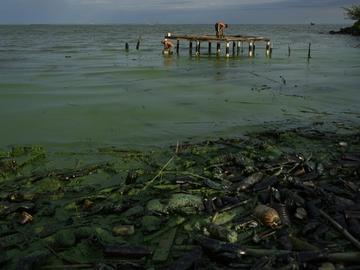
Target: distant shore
x: 352, y: 30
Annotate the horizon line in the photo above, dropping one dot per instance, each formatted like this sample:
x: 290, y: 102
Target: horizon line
x: 163, y: 24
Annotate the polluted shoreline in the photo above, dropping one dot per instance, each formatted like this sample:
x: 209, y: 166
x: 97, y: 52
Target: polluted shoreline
x: 285, y: 199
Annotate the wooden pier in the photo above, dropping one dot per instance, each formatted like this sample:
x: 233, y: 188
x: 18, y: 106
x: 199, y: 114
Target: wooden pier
x: 237, y: 41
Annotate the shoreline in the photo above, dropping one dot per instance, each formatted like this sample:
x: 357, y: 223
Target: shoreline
x: 200, y: 201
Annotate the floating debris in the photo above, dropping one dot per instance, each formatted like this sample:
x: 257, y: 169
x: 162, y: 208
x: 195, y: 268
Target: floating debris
x: 26, y: 218
x: 286, y: 200
x: 268, y: 216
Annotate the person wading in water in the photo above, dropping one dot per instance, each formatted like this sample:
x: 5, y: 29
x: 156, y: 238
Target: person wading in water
x: 167, y: 46
x: 219, y: 28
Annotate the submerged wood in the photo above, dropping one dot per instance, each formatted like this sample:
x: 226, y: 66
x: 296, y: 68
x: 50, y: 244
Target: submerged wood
x: 341, y: 229
x: 128, y: 252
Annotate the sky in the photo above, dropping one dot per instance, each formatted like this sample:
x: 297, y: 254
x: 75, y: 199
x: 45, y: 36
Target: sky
x: 173, y: 11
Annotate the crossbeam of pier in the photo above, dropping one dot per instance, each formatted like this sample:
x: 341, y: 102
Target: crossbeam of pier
x: 215, y: 38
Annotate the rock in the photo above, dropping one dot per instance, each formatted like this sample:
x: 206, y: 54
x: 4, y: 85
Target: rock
x: 228, y: 216
x: 185, y: 203
x: 62, y: 239
x: 123, y: 230
x: 249, y: 182
x: 156, y: 206
x: 134, y: 211
x: 151, y: 223
x: 222, y: 233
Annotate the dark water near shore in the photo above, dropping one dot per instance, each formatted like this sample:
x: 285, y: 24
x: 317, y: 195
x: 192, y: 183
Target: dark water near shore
x: 75, y: 85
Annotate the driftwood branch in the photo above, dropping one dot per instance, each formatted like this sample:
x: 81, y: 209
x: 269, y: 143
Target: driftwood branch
x: 341, y: 229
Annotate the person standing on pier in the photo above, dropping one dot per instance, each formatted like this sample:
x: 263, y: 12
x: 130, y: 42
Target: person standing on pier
x: 167, y: 46
x: 219, y: 28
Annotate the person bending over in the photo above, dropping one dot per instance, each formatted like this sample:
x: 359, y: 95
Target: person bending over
x: 219, y: 28
x: 167, y: 46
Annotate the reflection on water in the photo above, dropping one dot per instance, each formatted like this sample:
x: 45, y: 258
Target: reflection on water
x: 168, y: 60
x: 74, y: 84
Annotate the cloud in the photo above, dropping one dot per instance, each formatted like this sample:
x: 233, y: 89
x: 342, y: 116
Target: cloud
x: 171, y: 11
x: 139, y: 5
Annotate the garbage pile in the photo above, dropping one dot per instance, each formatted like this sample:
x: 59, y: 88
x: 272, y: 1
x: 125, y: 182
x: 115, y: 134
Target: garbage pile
x: 289, y: 200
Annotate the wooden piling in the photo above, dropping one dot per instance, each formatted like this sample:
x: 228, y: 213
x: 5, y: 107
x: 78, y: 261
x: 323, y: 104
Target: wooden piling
x: 197, y: 48
x: 268, y: 48
x: 209, y: 48
x: 238, y: 48
x: 190, y: 47
x: 251, y: 47
x: 227, y: 49
x: 218, y: 48
x: 177, y: 46
x: 309, y: 51
x: 126, y: 46
x: 138, y: 44
x: 233, y: 48
x: 289, y: 50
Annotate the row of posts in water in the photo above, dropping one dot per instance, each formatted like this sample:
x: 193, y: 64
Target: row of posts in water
x: 239, y: 47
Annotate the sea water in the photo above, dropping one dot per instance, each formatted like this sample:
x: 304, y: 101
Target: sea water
x: 67, y: 85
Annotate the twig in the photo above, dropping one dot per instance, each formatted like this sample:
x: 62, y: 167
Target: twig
x: 158, y: 174
x: 177, y: 149
x: 193, y: 175
x: 230, y: 207
x: 345, y: 232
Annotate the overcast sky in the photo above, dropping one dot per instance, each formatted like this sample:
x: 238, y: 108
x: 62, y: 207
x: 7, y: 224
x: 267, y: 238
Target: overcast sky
x: 173, y: 11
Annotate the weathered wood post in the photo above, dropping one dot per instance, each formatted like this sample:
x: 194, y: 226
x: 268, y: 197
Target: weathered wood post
x: 233, y: 48
x: 251, y: 49
x: 190, y: 47
x: 197, y: 48
x: 242, y: 47
x: 238, y: 48
x: 227, y: 49
x: 289, y: 50
x: 218, y: 49
x: 268, y: 48
x: 126, y: 46
x: 177, y: 46
x: 309, y: 51
x: 254, y: 47
x: 209, y: 48
x: 138, y: 44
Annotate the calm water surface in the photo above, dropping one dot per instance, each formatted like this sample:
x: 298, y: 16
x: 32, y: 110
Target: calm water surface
x: 75, y: 85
